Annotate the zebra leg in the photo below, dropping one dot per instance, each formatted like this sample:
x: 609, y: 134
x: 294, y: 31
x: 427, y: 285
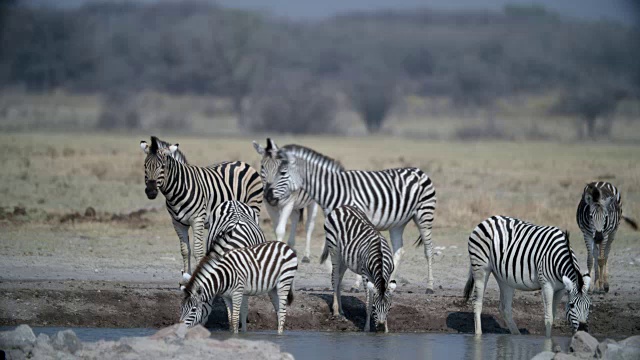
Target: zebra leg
x: 395, y: 235
x: 198, y: 238
x: 590, y: 244
x: 274, y: 214
x: 236, y: 299
x: 368, y: 306
x: 506, y: 300
x: 600, y: 267
x: 336, y: 275
x: 423, y: 220
x: 273, y: 296
x: 229, y: 304
x: 183, y: 235
x: 557, y: 296
x: 283, y: 291
x: 244, y: 311
x: 285, y: 213
x: 607, y: 249
x: 295, y: 218
x: 480, y: 277
x: 312, y: 212
x: 547, y: 300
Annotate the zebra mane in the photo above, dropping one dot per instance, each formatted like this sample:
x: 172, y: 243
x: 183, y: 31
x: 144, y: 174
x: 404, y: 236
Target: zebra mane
x: 574, y: 262
x: 211, y: 257
x: 157, y: 144
x: 309, y: 155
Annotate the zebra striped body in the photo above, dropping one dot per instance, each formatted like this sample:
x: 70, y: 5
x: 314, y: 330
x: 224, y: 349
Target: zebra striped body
x: 191, y: 192
x: 598, y: 216
x: 389, y: 198
x: 234, y: 225
x: 526, y: 257
x: 291, y: 207
x: 355, y: 244
x: 267, y: 268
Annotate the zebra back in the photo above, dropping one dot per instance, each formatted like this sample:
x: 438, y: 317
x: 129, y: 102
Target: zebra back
x: 235, y: 225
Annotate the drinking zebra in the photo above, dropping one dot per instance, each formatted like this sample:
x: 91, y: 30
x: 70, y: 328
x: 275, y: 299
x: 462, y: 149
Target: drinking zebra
x: 234, y: 225
x: 389, y: 198
x: 598, y: 216
x: 355, y: 244
x: 269, y: 267
x: 526, y: 257
x: 294, y: 205
x: 191, y: 192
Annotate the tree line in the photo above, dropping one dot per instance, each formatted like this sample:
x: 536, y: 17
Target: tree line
x: 283, y: 75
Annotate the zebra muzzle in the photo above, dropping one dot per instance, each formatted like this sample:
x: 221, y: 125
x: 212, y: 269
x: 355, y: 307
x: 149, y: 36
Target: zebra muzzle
x: 598, y: 237
x: 583, y: 327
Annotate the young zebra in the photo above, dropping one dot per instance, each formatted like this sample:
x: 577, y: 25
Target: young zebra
x: 598, y: 216
x: 355, y: 244
x: 234, y: 225
x: 269, y: 267
x: 390, y: 198
x: 526, y: 257
x: 294, y: 205
x: 192, y: 192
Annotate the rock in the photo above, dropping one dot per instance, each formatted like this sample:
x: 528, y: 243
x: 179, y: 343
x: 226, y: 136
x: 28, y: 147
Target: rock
x: 601, y: 351
x: 583, y: 342
x: 573, y: 356
x: 545, y: 355
x: 633, y: 341
x: 19, y: 338
x: 628, y: 348
x: 198, y: 332
x: 66, y: 341
x: 15, y: 354
x: 180, y: 331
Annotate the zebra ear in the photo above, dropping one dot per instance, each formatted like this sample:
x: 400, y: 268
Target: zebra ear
x: 587, y: 282
x: 173, y: 148
x: 370, y: 286
x: 271, y: 145
x: 259, y: 149
x: 392, y: 285
x: 568, y: 284
x: 144, y: 146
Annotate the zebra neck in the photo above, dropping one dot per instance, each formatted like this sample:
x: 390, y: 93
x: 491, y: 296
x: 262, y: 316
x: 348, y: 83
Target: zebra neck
x: 172, y: 184
x: 328, y: 188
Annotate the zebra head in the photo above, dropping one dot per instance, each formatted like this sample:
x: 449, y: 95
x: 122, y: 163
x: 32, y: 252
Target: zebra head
x: 381, y: 302
x: 269, y: 165
x: 194, y: 310
x: 599, y: 204
x: 154, y: 165
x: 579, y: 302
x: 288, y: 179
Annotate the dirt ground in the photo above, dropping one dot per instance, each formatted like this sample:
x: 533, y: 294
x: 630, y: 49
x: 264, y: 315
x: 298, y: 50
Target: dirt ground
x: 83, y: 247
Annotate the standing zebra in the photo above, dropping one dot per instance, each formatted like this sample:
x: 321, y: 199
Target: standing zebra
x: 192, y: 192
x: 354, y: 243
x: 234, y: 225
x: 390, y: 198
x: 294, y: 205
x: 526, y: 257
x: 598, y: 216
x: 269, y: 267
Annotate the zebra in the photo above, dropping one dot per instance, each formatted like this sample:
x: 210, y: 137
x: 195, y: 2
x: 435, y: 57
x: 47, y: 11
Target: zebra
x: 191, y: 192
x: 598, y: 216
x: 354, y: 243
x: 390, y: 198
x: 234, y: 225
x: 293, y: 206
x: 269, y: 267
x: 524, y: 256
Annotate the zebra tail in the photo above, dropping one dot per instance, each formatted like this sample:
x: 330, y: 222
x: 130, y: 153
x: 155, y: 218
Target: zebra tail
x: 290, y: 296
x: 418, y: 241
x: 468, y: 288
x: 631, y: 222
x: 325, y: 254
x: 301, y: 215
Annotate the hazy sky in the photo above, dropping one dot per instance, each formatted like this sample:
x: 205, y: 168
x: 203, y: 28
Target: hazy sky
x: 620, y: 10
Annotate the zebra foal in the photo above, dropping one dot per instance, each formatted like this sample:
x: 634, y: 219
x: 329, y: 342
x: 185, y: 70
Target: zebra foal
x: 355, y: 244
x: 389, y: 198
x: 526, y: 257
x: 598, y: 216
x: 234, y: 225
x: 269, y: 268
x: 191, y: 192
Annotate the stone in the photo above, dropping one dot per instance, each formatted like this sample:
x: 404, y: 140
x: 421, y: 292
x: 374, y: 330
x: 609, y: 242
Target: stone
x: 15, y: 354
x: 66, y: 341
x: 583, y: 342
x: 633, y: 341
x: 19, y: 338
x: 573, y: 356
x: 545, y: 355
x: 198, y: 332
x: 601, y: 351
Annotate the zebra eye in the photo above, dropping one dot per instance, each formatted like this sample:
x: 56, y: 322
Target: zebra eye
x: 571, y: 306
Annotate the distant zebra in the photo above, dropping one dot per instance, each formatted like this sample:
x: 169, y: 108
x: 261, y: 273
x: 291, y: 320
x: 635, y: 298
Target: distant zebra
x: 269, y: 267
x: 234, y: 225
x: 355, y: 244
x: 390, y: 198
x: 526, y: 257
x: 598, y: 216
x: 293, y: 206
x: 192, y: 192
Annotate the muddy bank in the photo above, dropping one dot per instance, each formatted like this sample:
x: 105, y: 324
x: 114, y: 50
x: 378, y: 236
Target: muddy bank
x: 155, y: 305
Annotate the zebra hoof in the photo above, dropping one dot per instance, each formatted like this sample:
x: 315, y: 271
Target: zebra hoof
x: 606, y: 288
x: 305, y: 259
x: 429, y: 291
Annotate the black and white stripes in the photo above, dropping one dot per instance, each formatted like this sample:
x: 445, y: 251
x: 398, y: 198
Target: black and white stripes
x: 234, y: 225
x: 598, y: 216
x: 355, y: 244
x: 192, y: 192
x: 526, y: 257
x: 265, y: 268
